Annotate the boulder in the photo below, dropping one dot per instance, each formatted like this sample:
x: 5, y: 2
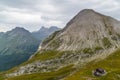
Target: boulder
x: 99, y: 72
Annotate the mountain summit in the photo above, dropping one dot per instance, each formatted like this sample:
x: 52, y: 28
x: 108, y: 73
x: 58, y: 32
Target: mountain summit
x: 84, y: 14
x: 16, y: 46
x: 88, y: 29
x: 18, y: 31
x: 88, y: 37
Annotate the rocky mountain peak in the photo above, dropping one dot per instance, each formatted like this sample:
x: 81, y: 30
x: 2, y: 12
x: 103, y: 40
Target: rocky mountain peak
x: 85, y: 11
x: 18, y: 31
x: 44, y: 32
x: 87, y: 29
x: 52, y: 28
x: 86, y: 15
x: 43, y: 28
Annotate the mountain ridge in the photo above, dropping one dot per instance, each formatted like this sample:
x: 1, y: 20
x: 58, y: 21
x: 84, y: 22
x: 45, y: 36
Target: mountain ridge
x: 86, y: 27
x: 16, y: 46
x: 19, y: 44
x: 44, y: 32
x: 89, y: 36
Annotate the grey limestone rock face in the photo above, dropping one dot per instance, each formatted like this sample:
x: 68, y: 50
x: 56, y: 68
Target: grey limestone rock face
x: 88, y: 29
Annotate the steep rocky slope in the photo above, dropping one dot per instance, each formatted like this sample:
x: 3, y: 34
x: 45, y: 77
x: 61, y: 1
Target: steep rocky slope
x: 88, y: 29
x: 87, y: 37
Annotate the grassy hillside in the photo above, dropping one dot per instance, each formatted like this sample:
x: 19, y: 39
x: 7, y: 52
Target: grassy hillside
x: 46, y: 55
x: 46, y: 76
x: 111, y: 64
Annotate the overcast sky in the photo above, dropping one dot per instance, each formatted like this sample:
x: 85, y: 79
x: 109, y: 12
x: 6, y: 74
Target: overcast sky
x: 32, y: 14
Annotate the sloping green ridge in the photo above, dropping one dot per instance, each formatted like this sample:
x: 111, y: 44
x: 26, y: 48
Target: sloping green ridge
x: 46, y: 76
x: 111, y: 64
x: 42, y: 56
x: 46, y: 55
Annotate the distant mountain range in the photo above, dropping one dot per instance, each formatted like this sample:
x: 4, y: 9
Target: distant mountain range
x: 44, y: 32
x: 17, y: 45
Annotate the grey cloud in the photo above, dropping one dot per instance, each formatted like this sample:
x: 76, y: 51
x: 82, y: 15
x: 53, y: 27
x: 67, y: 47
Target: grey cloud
x: 32, y: 14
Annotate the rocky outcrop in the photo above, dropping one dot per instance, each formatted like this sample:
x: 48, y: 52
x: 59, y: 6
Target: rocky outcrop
x: 99, y: 72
